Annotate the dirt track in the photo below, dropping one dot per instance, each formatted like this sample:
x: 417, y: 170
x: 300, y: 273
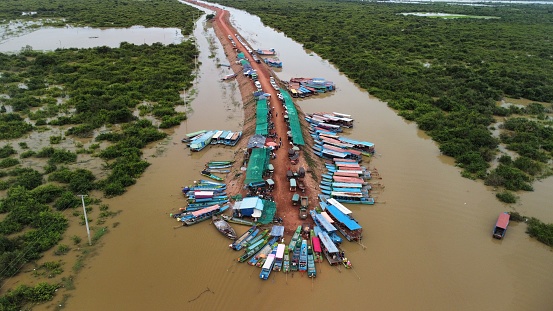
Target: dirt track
x: 281, y: 194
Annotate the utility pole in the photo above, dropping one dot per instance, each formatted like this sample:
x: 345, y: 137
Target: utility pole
x: 85, y: 218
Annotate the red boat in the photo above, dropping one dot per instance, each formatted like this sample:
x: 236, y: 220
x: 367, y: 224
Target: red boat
x: 501, y: 225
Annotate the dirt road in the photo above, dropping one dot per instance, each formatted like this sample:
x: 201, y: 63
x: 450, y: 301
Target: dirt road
x: 281, y: 194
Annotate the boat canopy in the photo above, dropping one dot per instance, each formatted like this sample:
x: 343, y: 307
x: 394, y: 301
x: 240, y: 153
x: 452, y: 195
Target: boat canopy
x: 503, y: 220
x: 316, y: 244
x: 193, y: 134
x: 346, y: 185
x: 339, y: 206
x: 217, y: 135
x: 277, y: 231
x: 341, y: 217
x: 280, y: 251
x: 333, y: 153
x: 203, y: 194
x: 205, y: 210
x: 353, y: 180
x: 325, y: 215
x: 327, y: 242
x: 269, y: 262
x: 327, y: 226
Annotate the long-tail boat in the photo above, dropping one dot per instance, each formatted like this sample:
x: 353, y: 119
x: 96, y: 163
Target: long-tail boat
x: 241, y: 238
x: 224, y: 227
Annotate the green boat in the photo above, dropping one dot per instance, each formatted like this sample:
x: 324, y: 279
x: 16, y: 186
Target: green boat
x: 208, y: 174
x: 256, y: 248
x: 286, y: 262
x: 238, y: 221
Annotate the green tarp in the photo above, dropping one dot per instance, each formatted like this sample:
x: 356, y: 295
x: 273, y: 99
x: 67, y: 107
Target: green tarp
x: 261, y: 125
x: 293, y: 119
x: 257, y: 164
x: 269, y: 211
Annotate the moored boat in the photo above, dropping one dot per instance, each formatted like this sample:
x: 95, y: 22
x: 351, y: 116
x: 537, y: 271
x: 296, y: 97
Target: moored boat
x: 311, y: 269
x: 224, y: 227
x: 208, y: 174
x: 238, y: 221
x: 286, y: 261
x: 279, y: 257
x: 501, y: 225
x: 203, y: 214
x: 241, y: 239
x: 303, y: 256
x: 267, y: 267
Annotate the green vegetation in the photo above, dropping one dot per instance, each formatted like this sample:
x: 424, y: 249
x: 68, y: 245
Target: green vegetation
x: 103, y: 13
x: 445, y: 74
x: 83, y: 90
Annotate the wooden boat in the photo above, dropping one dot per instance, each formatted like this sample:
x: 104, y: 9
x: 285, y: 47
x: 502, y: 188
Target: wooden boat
x: 190, y: 136
x: 211, y: 182
x: 229, y: 76
x: 217, y: 170
x: 259, y: 258
x: 204, y: 214
x: 224, y: 227
x: 266, y: 52
x: 279, y: 257
x: 316, y: 243
x: 246, y: 240
x: 501, y: 225
x: 294, y: 239
x: 255, y: 248
x: 261, y: 235
x: 224, y: 162
x: 311, y: 269
x: 303, y: 256
x: 286, y: 262
x: 214, y: 177
x: 294, y: 266
x: 201, y: 141
x: 241, y: 239
x: 268, y: 266
x: 238, y: 221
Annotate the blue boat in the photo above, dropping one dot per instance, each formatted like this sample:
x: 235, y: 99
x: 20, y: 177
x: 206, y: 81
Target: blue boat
x: 303, y: 256
x: 311, y: 270
x: 241, y: 238
x: 202, y: 141
x: 268, y: 266
x: 203, y: 214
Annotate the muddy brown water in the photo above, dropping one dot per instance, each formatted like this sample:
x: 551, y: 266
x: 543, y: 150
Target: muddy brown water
x: 428, y: 240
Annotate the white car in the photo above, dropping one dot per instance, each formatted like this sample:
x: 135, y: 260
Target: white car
x: 258, y: 85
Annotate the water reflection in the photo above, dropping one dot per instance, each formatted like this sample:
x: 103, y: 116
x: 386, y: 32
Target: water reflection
x: 50, y: 38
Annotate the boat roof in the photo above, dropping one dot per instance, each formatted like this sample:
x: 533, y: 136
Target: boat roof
x: 269, y: 262
x: 229, y: 135
x: 356, y: 142
x: 195, y: 133
x: 339, y: 206
x: 342, y: 114
x: 203, y: 193
x: 347, y: 194
x: 503, y: 220
x: 327, y: 242
x: 327, y: 226
x: 334, y: 153
x: 346, y: 185
x: 353, y: 180
x: 217, y: 135
x: 316, y: 244
x: 325, y: 215
x: 280, y: 251
x: 277, y: 231
x: 205, y: 210
x: 343, y: 218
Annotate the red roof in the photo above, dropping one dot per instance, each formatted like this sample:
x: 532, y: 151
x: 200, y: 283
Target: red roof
x: 316, y: 244
x: 205, y: 210
x: 503, y: 220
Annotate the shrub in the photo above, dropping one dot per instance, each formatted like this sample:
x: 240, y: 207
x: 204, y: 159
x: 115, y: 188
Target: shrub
x: 506, y: 196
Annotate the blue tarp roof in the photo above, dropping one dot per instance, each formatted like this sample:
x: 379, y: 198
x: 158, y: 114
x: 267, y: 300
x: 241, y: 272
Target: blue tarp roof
x: 277, y: 231
x: 324, y: 223
x: 252, y: 202
x: 327, y: 242
x: 341, y: 217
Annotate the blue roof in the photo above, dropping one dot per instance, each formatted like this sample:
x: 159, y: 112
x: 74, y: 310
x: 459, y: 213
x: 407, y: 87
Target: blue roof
x: 327, y: 242
x: 341, y: 217
x: 252, y: 202
x: 277, y: 231
x: 356, y: 142
x: 324, y: 223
